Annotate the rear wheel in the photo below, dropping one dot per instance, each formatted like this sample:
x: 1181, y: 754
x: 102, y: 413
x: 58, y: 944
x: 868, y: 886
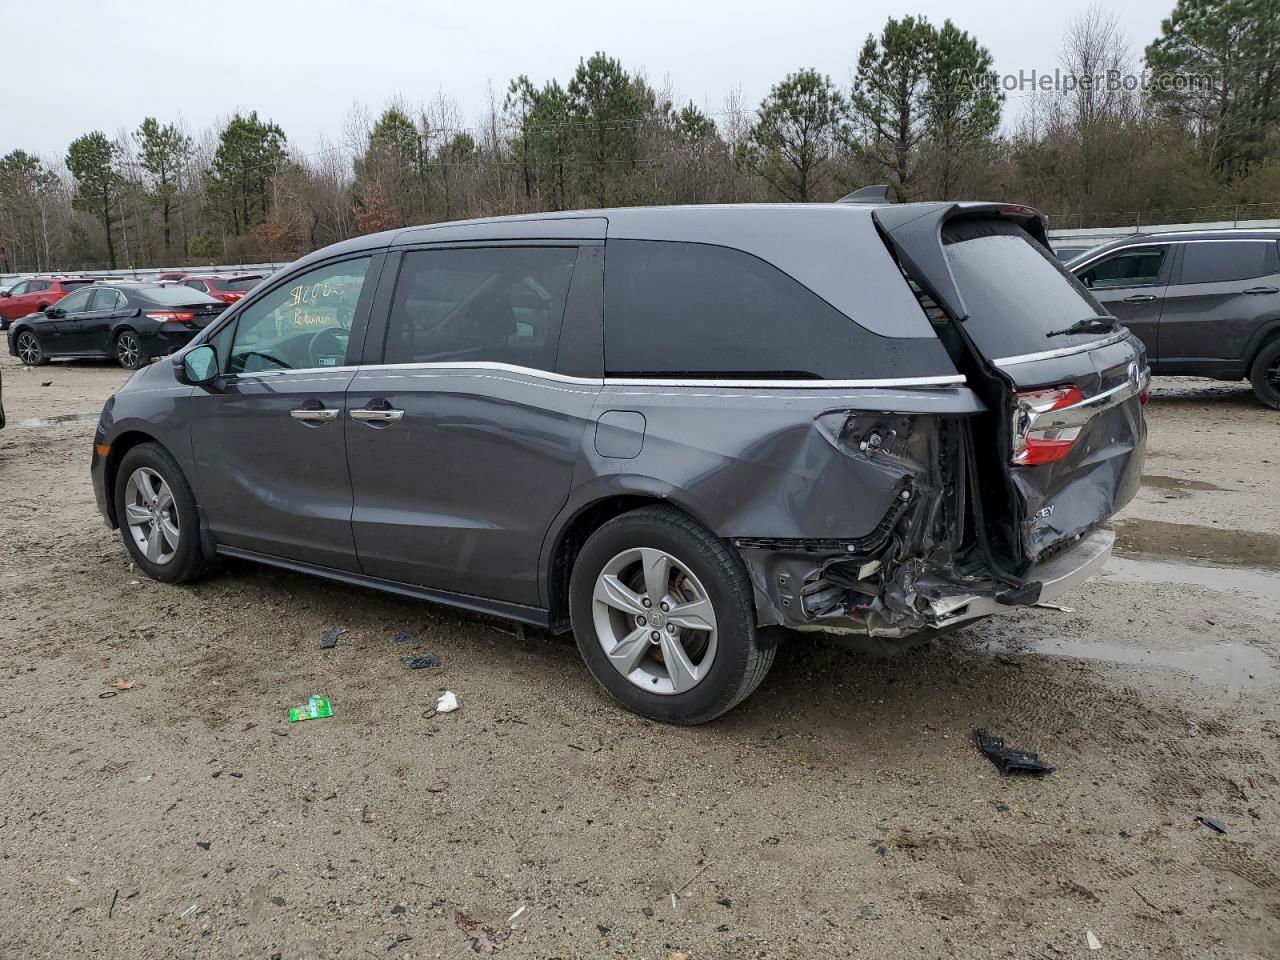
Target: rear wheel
x: 29, y: 350
x: 1265, y: 374
x: 663, y: 615
x: 157, y: 514
x: 129, y: 352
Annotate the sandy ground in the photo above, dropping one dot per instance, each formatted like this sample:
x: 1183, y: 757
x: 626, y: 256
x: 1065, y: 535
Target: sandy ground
x: 841, y: 811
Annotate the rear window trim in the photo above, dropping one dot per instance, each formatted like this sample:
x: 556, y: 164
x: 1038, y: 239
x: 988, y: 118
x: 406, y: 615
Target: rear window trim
x: 1116, y: 337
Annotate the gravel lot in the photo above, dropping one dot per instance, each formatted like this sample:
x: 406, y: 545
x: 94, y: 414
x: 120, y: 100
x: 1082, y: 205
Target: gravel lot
x: 843, y: 810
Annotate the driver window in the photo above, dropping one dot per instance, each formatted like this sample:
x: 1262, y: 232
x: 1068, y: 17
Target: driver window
x: 303, y: 324
x: 1137, y: 268
x: 484, y: 304
x: 75, y: 302
x: 19, y: 288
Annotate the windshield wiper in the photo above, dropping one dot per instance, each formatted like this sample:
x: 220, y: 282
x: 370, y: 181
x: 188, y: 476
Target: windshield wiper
x: 1103, y: 323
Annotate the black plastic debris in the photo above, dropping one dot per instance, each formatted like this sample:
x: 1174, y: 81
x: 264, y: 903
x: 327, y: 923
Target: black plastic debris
x: 329, y: 637
x: 422, y: 662
x: 1212, y: 824
x: 1009, y: 759
x: 400, y: 638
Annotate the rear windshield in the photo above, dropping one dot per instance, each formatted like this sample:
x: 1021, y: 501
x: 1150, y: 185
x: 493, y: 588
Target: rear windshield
x: 242, y: 283
x: 177, y: 296
x: 1015, y: 290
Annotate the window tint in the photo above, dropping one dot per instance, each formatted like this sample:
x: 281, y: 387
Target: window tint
x: 242, y: 283
x: 1016, y: 292
x: 176, y: 296
x: 697, y: 310
x: 1136, y: 268
x: 1222, y: 261
x: 72, y: 284
x: 194, y: 284
x: 75, y: 302
x: 35, y: 286
x: 304, y: 323
x: 104, y: 298
x: 489, y: 304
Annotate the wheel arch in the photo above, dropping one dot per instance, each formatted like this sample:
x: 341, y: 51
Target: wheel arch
x: 1266, y: 334
x: 120, y: 446
x: 574, y: 531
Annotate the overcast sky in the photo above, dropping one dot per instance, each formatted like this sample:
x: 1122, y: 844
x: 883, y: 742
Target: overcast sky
x: 106, y: 64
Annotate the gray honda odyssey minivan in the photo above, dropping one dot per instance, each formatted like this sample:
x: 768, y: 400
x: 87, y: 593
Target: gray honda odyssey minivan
x: 681, y: 432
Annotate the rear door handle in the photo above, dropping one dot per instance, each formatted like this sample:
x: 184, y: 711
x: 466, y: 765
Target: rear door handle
x: 1139, y: 298
x: 314, y: 415
x: 365, y: 415
x: 1263, y: 290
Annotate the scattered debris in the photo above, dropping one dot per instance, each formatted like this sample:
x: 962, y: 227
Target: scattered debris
x: 647, y: 911
x: 1094, y: 943
x: 113, y: 902
x: 423, y: 661
x: 367, y: 815
x: 313, y: 709
x: 678, y: 955
x: 46, y: 383
x: 204, y: 844
x: 483, y: 939
x: 1055, y: 606
x: 329, y: 637
x: 519, y: 910
x: 1009, y: 759
x: 120, y: 683
x: 1002, y: 808
x: 680, y: 889
x: 447, y: 702
x: 400, y: 638
x: 865, y: 912
x: 724, y: 901
x: 398, y: 909
x: 191, y: 911
x: 440, y: 787
x: 1212, y: 824
x: 74, y: 881
x: 278, y: 901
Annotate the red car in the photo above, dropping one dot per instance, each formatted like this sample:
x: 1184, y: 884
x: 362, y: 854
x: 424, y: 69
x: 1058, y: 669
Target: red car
x: 36, y: 293
x: 224, y: 287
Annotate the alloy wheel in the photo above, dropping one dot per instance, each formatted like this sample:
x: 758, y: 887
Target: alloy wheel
x: 28, y: 349
x: 151, y: 515
x: 655, y: 621
x: 127, y: 350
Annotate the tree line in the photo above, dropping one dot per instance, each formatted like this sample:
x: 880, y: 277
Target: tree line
x: 924, y: 112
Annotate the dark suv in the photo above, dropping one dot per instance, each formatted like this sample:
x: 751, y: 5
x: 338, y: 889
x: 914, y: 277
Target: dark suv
x: 1205, y: 303
x: 665, y: 428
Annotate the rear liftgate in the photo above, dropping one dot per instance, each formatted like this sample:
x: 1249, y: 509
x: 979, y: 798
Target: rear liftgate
x: 994, y: 506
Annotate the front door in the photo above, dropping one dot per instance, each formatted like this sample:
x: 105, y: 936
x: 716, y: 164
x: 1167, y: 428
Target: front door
x: 268, y: 435
x: 60, y: 333
x: 89, y: 331
x: 1223, y: 290
x: 1131, y: 285
x: 463, y: 441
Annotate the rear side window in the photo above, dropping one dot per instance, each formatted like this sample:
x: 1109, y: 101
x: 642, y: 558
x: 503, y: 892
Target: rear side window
x: 1017, y: 293
x: 1133, y: 268
x: 242, y: 283
x: 104, y: 298
x: 702, y: 311
x: 480, y: 305
x: 72, y: 284
x: 35, y: 286
x: 1221, y: 261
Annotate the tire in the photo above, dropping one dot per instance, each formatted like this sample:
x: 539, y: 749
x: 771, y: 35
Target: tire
x: 134, y: 484
x: 731, y: 659
x: 1265, y: 374
x: 128, y: 350
x: 30, y: 352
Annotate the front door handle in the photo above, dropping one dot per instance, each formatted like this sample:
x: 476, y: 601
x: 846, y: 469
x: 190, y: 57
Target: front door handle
x: 1263, y: 290
x: 365, y: 415
x: 314, y: 415
x: 1139, y: 298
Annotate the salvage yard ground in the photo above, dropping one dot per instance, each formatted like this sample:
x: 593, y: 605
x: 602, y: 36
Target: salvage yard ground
x: 841, y: 811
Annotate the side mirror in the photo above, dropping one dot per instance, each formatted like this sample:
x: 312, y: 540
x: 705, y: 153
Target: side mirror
x: 4, y: 293
x: 198, y: 365
x: 53, y: 313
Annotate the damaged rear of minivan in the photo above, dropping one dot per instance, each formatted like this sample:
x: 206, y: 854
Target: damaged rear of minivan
x: 1007, y: 505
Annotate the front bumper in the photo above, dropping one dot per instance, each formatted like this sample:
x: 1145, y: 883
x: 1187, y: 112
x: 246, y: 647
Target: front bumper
x: 98, y: 474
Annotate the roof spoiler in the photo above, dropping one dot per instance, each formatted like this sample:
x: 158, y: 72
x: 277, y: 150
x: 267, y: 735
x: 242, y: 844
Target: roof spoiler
x: 877, y: 193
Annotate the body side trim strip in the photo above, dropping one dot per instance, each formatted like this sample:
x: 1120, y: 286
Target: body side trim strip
x: 1063, y: 351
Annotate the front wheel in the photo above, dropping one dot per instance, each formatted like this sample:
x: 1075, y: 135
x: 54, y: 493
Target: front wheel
x: 157, y: 514
x: 129, y: 352
x: 663, y: 615
x: 29, y: 350
x: 1265, y: 374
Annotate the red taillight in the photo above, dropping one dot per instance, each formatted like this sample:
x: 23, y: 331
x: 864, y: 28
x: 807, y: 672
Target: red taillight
x: 1039, y: 437
x: 1145, y: 397
x: 171, y: 316
x: 229, y: 296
